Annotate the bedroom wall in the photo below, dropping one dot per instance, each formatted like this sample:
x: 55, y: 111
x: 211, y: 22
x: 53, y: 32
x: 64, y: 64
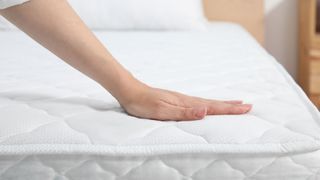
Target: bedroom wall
x: 282, y: 32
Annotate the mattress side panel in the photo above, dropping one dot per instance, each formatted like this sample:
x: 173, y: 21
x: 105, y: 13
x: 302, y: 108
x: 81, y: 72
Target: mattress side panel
x: 191, y: 167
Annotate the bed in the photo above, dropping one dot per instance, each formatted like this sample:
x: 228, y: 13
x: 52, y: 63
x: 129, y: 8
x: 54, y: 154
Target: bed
x: 57, y: 124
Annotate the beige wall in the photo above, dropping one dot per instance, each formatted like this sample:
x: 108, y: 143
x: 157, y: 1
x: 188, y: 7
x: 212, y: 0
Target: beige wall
x: 282, y: 32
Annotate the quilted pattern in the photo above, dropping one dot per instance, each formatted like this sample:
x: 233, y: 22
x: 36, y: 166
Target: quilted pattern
x: 47, y: 107
x: 173, y: 167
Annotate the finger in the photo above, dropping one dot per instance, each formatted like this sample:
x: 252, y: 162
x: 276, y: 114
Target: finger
x: 234, y: 102
x: 176, y: 113
x: 221, y: 107
x: 225, y: 108
x: 216, y: 101
x: 196, y: 113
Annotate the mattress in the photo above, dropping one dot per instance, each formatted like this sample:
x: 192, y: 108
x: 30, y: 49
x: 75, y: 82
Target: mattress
x: 55, y: 123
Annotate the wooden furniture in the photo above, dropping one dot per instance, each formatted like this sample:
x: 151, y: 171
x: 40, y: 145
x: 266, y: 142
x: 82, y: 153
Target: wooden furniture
x: 248, y: 13
x: 309, y: 53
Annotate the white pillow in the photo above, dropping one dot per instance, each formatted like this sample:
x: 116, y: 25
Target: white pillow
x: 138, y: 14
x: 142, y: 14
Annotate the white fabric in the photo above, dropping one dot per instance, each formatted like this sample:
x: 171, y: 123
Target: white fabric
x: 135, y: 14
x: 198, y: 166
x: 8, y: 3
x: 142, y: 14
x: 6, y: 25
x: 50, y: 113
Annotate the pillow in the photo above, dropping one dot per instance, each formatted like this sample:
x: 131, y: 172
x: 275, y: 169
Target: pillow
x: 142, y: 14
x: 138, y: 14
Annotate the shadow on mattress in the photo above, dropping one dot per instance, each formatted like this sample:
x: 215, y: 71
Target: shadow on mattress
x: 57, y: 105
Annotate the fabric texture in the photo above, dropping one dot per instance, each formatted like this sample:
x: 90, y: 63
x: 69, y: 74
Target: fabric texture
x: 198, y: 166
x: 61, y: 124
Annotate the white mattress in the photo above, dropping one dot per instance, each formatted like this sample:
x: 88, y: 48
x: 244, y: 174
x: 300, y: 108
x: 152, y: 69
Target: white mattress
x: 55, y: 123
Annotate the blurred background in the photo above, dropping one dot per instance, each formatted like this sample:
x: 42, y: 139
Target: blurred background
x: 281, y: 32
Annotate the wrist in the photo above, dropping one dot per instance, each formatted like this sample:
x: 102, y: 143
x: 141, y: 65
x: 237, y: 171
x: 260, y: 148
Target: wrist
x: 119, y: 82
x: 125, y: 87
x: 130, y: 90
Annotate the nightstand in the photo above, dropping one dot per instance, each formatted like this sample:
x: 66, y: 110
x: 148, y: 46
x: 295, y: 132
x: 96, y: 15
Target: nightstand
x: 309, y: 45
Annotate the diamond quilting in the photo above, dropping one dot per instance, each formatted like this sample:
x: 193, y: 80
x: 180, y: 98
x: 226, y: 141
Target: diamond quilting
x: 13, y: 123
x: 50, y: 133
x: 152, y: 169
x: 89, y: 169
x: 174, y: 167
x: 260, y: 83
x: 62, y: 107
x: 26, y: 167
x: 278, y: 167
x: 219, y: 170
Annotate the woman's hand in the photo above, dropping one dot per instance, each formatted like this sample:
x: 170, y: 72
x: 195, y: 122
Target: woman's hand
x: 159, y: 104
x: 63, y: 33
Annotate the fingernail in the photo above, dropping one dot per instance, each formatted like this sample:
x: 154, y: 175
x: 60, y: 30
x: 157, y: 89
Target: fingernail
x: 247, y: 107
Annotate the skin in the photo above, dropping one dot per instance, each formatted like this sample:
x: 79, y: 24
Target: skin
x: 55, y: 25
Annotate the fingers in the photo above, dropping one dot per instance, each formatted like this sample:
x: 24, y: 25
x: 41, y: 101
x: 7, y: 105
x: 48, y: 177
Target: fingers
x: 177, y: 113
x: 226, y: 108
x: 215, y: 101
x: 233, y: 102
x: 197, y: 108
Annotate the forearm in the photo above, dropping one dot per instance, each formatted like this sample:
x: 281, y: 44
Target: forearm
x: 54, y: 24
x: 57, y: 27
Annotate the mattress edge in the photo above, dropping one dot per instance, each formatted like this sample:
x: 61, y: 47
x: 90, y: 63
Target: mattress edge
x: 152, y: 150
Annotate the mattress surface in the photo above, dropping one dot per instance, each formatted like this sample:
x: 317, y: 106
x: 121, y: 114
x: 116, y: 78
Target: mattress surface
x: 62, y: 125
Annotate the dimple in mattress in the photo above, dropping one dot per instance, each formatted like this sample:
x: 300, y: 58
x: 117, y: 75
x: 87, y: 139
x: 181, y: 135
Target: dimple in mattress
x: 55, y: 123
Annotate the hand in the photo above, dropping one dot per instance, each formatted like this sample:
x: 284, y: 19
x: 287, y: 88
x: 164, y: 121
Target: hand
x: 158, y: 104
x: 64, y: 34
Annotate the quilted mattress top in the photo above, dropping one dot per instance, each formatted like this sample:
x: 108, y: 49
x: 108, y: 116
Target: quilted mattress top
x: 48, y: 107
